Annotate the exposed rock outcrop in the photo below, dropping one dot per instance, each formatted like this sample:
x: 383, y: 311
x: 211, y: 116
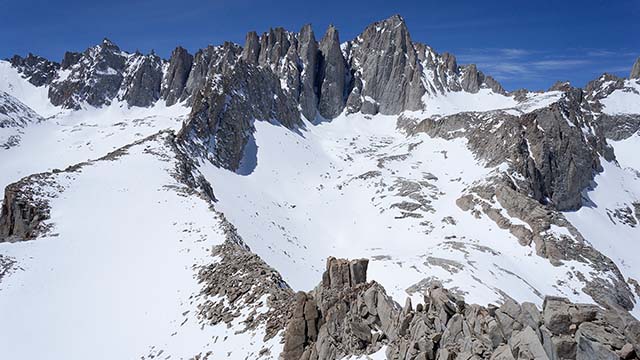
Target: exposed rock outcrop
x: 343, y: 317
x: 104, y: 73
x: 553, y: 154
x: 242, y: 282
x: 70, y: 59
x: 36, y: 69
x: 141, y: 83
x: 635, y: 70
x: 94, y: 79
x: 176, y: 76
x: 251, y: 51
x: 14, y: 113
x: 222, y: 116
x: 331, y: 75
x: 387, y: 67
x: 556, y: 148
x: 309, y: 53
x: 24, y: 209
x: 471, y: 79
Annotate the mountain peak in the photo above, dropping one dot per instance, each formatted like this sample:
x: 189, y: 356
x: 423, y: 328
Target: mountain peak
x: 332, y: 32
x: 391, y: 23
x: 331, y: 36
x: 396, y: 18
x: 108, y: 44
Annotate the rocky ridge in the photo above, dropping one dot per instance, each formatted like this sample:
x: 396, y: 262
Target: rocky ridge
x: 307, y: 76
x: 345, y: 316
x: 550, y: 157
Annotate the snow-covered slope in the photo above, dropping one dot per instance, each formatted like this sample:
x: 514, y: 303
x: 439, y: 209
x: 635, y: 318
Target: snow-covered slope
x: 625, y: 100
x: 357, y: 186
x: 115, y: 278
x: 14, y: 116
x: 484, y: 100
x: 70, y: 137
x: 34, y: 97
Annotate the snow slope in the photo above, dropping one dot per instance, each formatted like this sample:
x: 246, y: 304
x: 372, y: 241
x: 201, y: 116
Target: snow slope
x: 484, y: 100
x: 623, y: 101
x: 115, y: 279
x: 70, y: 137
x: 14, y: 115
x: 339, y: 189
x: 36, y: 98
x: 612, y: 222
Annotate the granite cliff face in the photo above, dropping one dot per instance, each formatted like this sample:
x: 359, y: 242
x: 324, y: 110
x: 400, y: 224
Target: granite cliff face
x: 176, y: 77
x: 221, y: 120
x: 635, y: 70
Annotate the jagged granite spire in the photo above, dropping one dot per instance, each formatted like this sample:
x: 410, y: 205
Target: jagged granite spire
x: 635, y: 70
x: 70, y: 58
x: 141, y: 83
x: 251, y: 50
x: 175, y: 78
x: 387, y: 63
x: 308, y: 52
x: 331, y: 77
x: 273, y: 46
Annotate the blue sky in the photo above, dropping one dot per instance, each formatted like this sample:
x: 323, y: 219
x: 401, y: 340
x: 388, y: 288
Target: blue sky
x: 522, y: 43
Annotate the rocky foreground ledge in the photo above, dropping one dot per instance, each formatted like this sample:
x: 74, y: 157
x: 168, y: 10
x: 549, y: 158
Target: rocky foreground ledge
x: 345, y: 315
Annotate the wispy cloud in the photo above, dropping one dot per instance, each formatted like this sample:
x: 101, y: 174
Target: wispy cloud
x: 556, y: 64
x: 520, y: 64
x: 514, y: 53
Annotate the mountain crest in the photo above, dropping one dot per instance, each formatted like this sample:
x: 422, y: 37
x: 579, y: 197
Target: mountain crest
x: 109, y: 45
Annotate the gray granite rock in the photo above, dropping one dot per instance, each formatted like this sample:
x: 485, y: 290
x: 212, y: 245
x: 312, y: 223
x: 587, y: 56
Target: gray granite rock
x: 308, y: 52
x: 223, y: 113
x: 14, y: 113
x: 357, y: 319
x: 251, y: 50
x: 471, y: 79
x: 385, y: 60
x: 23, y: 210
x: 331, y: 75
x: 94, y: 79
x: 175, y: 78
x: 70, y: 58
x: 207, y: 63
x: 142, y: 79
x: 635, y: 70
x: 36, y: 69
